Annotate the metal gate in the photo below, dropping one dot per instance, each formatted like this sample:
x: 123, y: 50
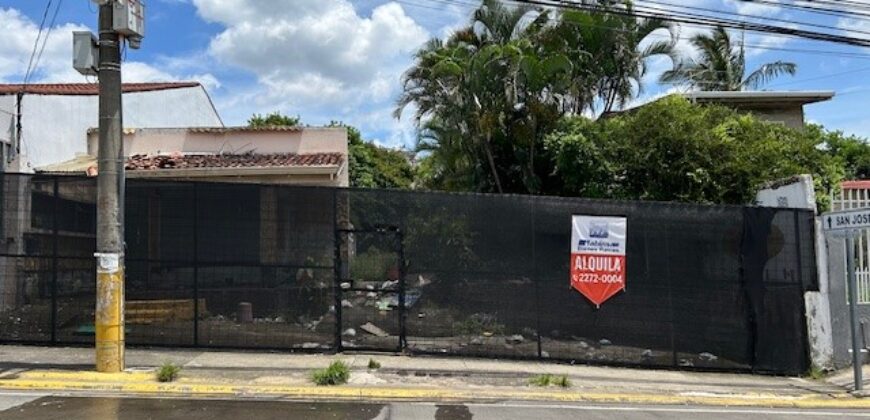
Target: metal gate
x: 371, y: 300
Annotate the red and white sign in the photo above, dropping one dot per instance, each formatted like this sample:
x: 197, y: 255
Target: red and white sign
x: 598, y: 256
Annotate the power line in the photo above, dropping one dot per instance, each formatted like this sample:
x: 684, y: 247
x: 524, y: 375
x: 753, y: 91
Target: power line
x: 36, y: 42
x: 729, y: 13
x: 842, y: 54
x: 45, y: 40
x: 677, y: 17
x: 815, y: 7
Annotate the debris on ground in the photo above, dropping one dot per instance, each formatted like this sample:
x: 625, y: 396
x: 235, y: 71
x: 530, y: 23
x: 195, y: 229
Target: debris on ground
x: 373, y: 330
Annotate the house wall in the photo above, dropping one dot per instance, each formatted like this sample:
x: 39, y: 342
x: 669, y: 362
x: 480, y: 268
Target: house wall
x: 153, y: 141
x: 8, y: 111
x: 54, y: 127
x: 791, y: 116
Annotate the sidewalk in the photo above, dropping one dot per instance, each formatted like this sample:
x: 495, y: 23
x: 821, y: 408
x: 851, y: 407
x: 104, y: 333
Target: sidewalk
x: 281, y: 375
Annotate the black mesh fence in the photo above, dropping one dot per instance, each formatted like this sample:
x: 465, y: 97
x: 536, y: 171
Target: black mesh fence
x: 321, y: 269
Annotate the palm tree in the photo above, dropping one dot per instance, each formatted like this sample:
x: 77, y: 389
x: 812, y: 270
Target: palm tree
x: 721, y: 65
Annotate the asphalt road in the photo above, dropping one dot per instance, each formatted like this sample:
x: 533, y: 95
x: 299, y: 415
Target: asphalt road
x: 37, y: 407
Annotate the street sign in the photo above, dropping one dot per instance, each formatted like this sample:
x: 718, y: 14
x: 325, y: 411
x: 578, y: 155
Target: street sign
x: 846, y: 220
x: 598, y: 256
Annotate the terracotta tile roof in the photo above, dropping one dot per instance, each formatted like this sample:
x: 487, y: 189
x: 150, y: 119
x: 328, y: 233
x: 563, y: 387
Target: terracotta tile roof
x: 88, y: 88
x: 856, y: 184
x: 144, y: 163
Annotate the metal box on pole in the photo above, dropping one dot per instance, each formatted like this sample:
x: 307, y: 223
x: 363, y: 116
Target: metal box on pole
x: 129, y: 20
x: 86, y: 54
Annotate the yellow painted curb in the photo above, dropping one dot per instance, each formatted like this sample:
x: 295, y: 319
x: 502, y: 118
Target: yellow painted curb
x: 138, y: 376
x: 398, y: 394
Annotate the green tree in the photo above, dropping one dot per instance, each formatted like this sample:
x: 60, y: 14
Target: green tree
x: 672, y: 150
x: 487, y: 96
x: 272, y: 120
x: 369, y: 166
x: 721, y: 65
x: 853, y: 152
x: 373, y: 166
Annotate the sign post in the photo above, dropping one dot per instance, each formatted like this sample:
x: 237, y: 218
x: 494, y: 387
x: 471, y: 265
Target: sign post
x: 847, y: 224
x: 598, y: 256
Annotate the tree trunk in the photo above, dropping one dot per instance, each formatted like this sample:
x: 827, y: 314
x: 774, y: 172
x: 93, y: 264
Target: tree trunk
x: 491, y: 160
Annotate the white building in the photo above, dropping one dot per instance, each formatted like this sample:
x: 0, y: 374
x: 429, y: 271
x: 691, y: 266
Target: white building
x: 41, y: 124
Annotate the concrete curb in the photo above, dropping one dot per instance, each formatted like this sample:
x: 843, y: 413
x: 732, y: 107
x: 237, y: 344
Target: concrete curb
x: 143, y: 384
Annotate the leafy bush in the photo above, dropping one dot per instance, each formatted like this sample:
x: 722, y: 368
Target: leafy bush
x: 168, y: 372
x: 673, y: 150
x: 336, y: 374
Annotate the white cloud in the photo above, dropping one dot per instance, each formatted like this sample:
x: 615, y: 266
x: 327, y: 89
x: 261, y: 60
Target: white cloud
x: 320, y: 59
x: 18, y: 41
x: 319, y: 51
x: 850, y: 25
x: 55, y: 64
x: 751, y: 8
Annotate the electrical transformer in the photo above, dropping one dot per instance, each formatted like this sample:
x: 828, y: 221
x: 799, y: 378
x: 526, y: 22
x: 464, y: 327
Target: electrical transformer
x: 129, y: 20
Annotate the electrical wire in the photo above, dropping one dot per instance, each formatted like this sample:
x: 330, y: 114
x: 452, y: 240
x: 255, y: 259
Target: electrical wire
x: 36, y: 42
x: 749, y: 46
x: 45, y: 40
x: 676, y: 17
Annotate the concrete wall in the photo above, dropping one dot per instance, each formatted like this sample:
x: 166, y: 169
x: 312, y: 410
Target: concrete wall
x: 8, y: 110
x: 798, y: 192
x: 54, y: 127
x: 791, y: 116
x: 156, y: 141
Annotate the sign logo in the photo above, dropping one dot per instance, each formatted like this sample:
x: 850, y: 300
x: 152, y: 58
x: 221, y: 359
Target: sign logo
x: 599, y: 230
x: 598, y: 257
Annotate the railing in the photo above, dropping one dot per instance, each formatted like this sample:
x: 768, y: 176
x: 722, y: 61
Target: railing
x: 855, y: 197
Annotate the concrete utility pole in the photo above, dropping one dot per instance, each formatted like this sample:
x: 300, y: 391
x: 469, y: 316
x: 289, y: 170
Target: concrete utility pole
x: 109, y: 322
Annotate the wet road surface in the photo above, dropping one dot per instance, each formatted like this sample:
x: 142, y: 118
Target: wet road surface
x: 34, y: 407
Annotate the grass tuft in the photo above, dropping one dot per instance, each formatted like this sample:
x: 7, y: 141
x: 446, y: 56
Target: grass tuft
x: 168, y: 372
x: 336, y: 374
x: 374, y: 364
x: 547, y: 380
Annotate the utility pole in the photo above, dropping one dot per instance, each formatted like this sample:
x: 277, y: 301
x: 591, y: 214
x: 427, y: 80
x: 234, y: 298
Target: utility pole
x: 109, y: 322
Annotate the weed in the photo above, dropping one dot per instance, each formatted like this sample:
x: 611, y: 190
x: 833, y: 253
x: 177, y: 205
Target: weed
x: 336, y: 374
x: 815, y: 373
x: 374, y: 364
x: 478, y: 324
x: 541, y: 380
x: 547, y: 380
x: 168, y: 372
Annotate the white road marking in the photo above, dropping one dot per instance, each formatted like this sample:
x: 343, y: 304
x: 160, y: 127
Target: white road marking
x: 697, y: 410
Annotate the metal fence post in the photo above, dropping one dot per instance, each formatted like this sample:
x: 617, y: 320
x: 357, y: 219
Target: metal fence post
x: 55, y: 229
x: 195, y: 264
x: 853, y: 311
x: 535, y: 282
x: 336, y: 283
x: 402, y: 310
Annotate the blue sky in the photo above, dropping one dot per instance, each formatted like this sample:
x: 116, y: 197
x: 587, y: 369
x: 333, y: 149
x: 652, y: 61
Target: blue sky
x: 341, y: 60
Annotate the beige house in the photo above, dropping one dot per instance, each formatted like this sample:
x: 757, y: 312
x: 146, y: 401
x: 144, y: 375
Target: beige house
x: 781, y: 107
x: 268, y: 155
x: 786, y: 108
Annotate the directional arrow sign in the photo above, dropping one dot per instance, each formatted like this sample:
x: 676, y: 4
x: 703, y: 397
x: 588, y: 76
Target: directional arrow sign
x: 848, y: 220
